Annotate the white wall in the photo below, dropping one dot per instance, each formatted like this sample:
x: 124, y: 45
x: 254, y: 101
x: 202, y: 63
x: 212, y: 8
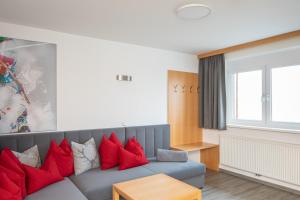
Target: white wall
x: 88, y: 96
x: 255, y: 54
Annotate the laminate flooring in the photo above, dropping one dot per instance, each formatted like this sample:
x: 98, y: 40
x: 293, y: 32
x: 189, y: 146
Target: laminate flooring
x: 223, y: 186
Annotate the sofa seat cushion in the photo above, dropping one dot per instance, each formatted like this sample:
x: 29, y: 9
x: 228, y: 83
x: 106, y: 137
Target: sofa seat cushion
x: 97, y: 184
x: 65, y: 190
x: 178, y: 170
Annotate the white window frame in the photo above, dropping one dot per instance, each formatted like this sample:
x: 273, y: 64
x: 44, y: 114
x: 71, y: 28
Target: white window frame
x: 266, y: 98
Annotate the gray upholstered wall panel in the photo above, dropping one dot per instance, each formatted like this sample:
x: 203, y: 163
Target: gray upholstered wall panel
x: 84, y: 135
x: 151, y: 137
x: 21, y: 142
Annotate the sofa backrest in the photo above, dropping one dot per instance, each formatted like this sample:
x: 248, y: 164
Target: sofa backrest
x: 151, y: 138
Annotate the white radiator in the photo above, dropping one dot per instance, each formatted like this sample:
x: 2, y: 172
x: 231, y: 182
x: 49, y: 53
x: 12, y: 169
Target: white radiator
x: 276, y: 160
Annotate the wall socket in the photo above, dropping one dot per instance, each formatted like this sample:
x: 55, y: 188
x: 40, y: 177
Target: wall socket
x: 121, y: 77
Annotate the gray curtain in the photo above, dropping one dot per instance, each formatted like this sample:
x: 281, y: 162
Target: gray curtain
x: 212, y: 92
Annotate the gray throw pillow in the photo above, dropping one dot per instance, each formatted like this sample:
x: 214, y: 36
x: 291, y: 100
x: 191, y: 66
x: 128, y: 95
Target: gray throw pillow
x: 29, y: 157
x: 171, y: 156
x: 85, y: 156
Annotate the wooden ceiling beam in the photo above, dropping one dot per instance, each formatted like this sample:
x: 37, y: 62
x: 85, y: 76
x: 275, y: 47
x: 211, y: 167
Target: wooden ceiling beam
x: 255, y: 43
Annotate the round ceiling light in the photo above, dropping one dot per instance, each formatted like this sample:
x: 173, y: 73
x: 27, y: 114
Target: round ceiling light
x: 193, y: 11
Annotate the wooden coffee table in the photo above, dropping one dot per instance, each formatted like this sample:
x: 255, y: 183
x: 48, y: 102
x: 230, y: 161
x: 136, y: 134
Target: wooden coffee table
x: 158, y: 187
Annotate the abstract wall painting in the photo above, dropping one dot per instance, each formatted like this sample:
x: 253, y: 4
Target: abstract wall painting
x: 27, y: 86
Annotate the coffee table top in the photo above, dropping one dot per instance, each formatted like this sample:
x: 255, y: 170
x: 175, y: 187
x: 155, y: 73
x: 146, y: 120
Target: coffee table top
x: 158, y: 187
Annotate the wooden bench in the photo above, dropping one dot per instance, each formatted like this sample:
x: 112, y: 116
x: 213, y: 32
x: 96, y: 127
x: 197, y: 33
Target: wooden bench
x: 202, y: 152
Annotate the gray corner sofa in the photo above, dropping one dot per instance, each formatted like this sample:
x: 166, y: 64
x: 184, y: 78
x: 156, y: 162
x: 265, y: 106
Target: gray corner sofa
x: 97, y: 184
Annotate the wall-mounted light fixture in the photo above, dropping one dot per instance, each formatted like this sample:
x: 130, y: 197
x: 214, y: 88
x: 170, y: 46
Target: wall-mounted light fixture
x: 121, y: 77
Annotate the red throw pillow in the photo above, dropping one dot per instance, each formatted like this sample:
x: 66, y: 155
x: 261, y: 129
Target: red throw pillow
x: 8, y: 189
x: 129, y: 160
x: 109, y: 154
x: 63, y: 156
x: 109, y: 151
x: 11, y: 162
x: 39, y: 178
x: 5, y: 195
x: 115, y: 139
x: 135, y: 147
x: 14, y: 177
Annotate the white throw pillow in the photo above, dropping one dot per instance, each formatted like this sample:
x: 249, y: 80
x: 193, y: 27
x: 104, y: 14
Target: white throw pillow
x: 85, y: 156
x: 29, y: 157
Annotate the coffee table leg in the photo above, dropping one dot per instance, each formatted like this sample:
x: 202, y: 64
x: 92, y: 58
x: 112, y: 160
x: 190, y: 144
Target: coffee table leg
x: 116, y: 195
x: 199, y: 196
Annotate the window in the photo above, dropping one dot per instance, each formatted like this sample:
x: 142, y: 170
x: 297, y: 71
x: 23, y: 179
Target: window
x: 264, y: 96
x: 248, y: 90
x: 286, y: 94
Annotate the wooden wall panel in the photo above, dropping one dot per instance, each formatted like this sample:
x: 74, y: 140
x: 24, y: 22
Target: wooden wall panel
x: 183, y: 107
x: 252, y: 44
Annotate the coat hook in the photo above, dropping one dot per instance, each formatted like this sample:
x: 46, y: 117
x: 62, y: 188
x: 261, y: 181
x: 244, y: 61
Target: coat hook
x: 198, y: 88
x: 191, y: 87
x: 175, y: 88
x: 183, y: 88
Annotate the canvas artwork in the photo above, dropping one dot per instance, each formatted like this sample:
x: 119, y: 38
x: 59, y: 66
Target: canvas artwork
x: 27, y: 86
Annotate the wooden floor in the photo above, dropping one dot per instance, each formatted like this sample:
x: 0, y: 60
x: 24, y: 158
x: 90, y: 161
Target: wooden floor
x: 221, y: 186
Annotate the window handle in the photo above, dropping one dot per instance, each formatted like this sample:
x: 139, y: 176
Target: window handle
x: 267, y: 97
x: 263, y: 99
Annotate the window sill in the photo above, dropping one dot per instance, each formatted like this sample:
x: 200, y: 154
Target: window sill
x: 293, y: 131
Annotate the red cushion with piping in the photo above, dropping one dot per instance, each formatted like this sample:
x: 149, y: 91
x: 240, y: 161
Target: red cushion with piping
x: 63, y: 156
x: 129, y: 160
x: 38, y: 178
x: 115, y: 139
x: 109, y: 154
x: 11, y: 162
x: 8, y: 189
x: 14, y: 177
x: 135, y: 147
